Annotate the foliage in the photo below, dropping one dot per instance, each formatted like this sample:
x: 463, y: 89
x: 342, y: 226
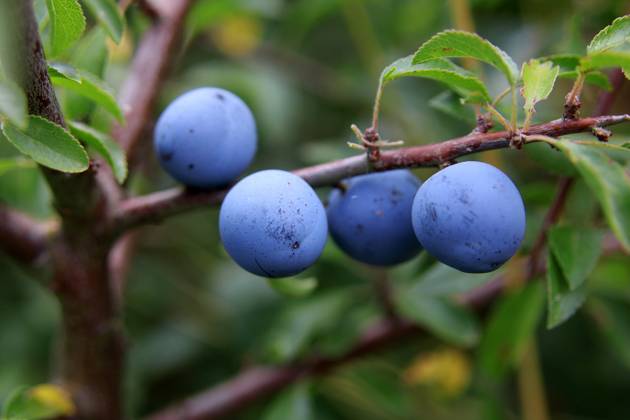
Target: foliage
x: 307, y: 69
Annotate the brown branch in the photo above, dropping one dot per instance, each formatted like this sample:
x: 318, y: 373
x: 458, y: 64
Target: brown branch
x: 155, y: 207
x: 148, y: 71
x: 260, y: 381
x: 22, y: 237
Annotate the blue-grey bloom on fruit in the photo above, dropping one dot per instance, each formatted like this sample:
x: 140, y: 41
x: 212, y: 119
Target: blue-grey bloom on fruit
x: 370, y: 217
x: 469, y: 216
x: 206, y: 138
x: 273, y: 224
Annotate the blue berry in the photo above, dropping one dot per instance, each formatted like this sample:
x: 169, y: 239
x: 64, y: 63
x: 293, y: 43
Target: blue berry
x: 469, y: 216
x: 206, y: 138
x: 371, y: 219
x: 273, y: 224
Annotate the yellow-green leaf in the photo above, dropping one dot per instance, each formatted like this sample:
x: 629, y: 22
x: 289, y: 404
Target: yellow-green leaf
x: 453, y: 43
x: 538, y: 81
x: 612, y: 36
x: 48, y: 144
x: 40, y: 402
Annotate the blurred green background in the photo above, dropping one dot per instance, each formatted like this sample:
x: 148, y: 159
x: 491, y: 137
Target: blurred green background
x: 308, y: 69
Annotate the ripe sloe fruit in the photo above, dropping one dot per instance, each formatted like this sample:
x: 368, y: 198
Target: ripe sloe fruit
x: 371, y: 219
x: 273, y: 224
x: 469, y: 216
x: 206, y: 138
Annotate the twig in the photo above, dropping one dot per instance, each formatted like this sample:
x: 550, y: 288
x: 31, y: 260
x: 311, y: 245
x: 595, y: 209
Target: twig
x: 258, y: 382
x: 155, y: 207
x: 148, y: 70
x: 22, y: 237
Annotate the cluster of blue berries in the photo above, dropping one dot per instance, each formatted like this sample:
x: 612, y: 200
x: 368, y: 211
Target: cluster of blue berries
x: 469, y: 215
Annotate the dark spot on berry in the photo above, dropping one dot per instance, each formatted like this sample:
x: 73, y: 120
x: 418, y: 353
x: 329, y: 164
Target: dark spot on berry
x: 167, y: 156
x: 220, y: 97
x: 295, y: 245
x: 191, y: 166
x: 191, y: 131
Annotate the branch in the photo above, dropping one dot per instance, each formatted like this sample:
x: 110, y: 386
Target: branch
x: 22, y: 237
x: 260, y: 381
x: 155, y: 207
x: 148, y: 72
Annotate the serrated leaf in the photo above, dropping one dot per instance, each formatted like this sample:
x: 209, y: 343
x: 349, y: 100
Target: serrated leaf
x: 10, y: 164
x: 453, y: 43
x: 108, y: 14
x: 40, y: 402
x: 605, y: 59
x: 538, y: 81
x: 292, y: 286
x: 104, y: 146
x: 576, y: 250
x: 13, y: 103
x: 511, y: 325
x: 48, y: 144
x: 293, y: 403
x: 461, y: 81
x: 87, y: 85
x: 444, y: 318
x: 607, y: 179
x: 612, y: 36
x: 562, y: 302
x: 67, y: 23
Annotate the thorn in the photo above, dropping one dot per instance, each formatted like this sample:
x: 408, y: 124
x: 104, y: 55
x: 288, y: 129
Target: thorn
x: 601, y: 133
x: 446, y: 164
x: 517, y: 140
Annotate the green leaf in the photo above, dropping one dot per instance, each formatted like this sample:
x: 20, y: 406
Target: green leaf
x: 538, y: 81
x: 450, y: 104
x: 40, y: 402
x: 569, y: 64
x: 293, y: 286
x: 302, y: 321
x: 612, y: 36
x: 48, y: 144
x: 10, y: 164
x: 445, y: 319
x: 442, y: 280
x: 511, y: 325
x: 104, y: 146
x: 67, y: 24
x: 613, y: 320
x: 562, y: 302
x: 294, y: 403
x: 576, y: 250
x: 13, y: 103
x: 453, y: 43
x: 608, y: 180
x: 87, y: 85
x: 605, y: 59
x: 108, y: 14
x: 461, y: 81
